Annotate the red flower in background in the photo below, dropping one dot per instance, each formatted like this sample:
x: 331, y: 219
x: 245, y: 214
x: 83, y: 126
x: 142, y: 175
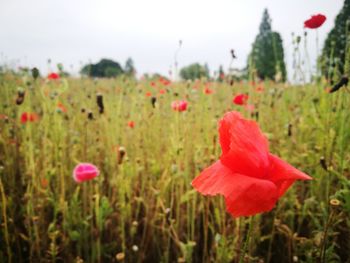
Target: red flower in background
x: 53, y: 76
x: 249, y: 177
x: 208, y: 91
x: 61, y: 107
x: 240, y: 99
x: 131, y: 124
x: 148, y: 94
x: 179, y: 105
x: 315, y: 21
x: 29, y: 117
x: 162, y: 91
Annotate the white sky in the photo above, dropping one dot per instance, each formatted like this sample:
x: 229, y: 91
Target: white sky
x: 77, y: 31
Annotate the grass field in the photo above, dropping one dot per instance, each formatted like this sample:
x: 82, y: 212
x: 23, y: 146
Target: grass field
x: 142, y: 207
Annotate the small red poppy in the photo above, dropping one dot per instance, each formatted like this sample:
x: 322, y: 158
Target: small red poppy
x: 249, y: 177
x: 179, y: 105
x: 148, y: 94
x: 240, y: 99
x: 162, y: 91
x: 315, y: 21
x: 61, y: 107
x: 53, y: 76
x: 29, y: 117
x: 131, y: 124
x: 208, y: 91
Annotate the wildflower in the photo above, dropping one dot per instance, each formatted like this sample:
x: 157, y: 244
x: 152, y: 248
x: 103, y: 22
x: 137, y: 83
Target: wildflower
x: 61, y: 107
x: 53, y: 76
x: 162, y: 91
x: 84, y: 172
x: 334, y: 202
x: 29, y: 117
x: 148, y: 94
x: 120, y: 256
x: 315, y: 21
x: 179, y: 105
x: 131, y: 124
x: 208, y: 91
x: 250, y: 178
x: 240, y: 99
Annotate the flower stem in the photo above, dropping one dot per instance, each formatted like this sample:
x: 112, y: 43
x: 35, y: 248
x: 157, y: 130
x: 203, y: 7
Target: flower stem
x: 246, y: 242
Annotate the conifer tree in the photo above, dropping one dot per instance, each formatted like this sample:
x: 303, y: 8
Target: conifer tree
x: 267, y: 55
x: 335, y: 58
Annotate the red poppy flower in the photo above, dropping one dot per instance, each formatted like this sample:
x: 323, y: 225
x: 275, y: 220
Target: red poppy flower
x: 29, y: 117
x: 131, y: 124
x: 148, y: 94
x: 240, y: 99
x: 162, y: 91
x: 259, y: 88
x: 179, y: 105
x: 249, y: 177
x: 61, y: 107
x: 315, y: 21
x: 208, y: 91
x: 53, y: 76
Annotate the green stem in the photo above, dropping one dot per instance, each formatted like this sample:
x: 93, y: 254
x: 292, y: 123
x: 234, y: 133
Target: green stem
x: 246, y: 242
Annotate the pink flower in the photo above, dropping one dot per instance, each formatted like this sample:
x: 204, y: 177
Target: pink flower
x: 84, y: 172
x: 179, y: 105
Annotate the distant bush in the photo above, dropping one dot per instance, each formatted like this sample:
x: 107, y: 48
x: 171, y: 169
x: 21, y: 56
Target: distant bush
x: 106, y: 68
x: 194, y: 71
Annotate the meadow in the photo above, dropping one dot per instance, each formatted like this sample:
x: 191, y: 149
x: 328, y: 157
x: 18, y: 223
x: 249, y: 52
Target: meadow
x: 142, y: 207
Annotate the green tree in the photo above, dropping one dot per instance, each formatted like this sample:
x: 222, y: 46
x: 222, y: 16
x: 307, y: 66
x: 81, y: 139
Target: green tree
x: 106, y: 68
x: 267, y: 56
x: 194, y: 71
x: 335, y: 58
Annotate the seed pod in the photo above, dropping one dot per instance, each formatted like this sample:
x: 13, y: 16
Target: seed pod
x: 290, y: 126
x: 233, y: 54
x: 99, y: 99
x: 323, y: 163
x: 35, y: 73
x: 121, y: 154
x: 90, y: 115
x: 343, y: 82
x: 20, y: 96
x: 153, y: 101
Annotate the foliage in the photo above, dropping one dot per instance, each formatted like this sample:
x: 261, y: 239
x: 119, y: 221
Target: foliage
x: 194, y: 71
x: 267, y: 56
x: 106, y: 68
x: 335, y: 58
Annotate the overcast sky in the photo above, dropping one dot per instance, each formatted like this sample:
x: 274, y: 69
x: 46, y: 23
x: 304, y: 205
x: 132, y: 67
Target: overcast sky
x: 77, y: 31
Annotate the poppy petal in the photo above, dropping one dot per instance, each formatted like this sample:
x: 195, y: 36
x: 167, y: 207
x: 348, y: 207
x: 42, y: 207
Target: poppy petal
x: 244, y: 147
x: 283, y: 174
x: 244, y: 195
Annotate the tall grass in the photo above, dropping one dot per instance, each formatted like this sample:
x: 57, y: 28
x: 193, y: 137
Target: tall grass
x: 142, y: 207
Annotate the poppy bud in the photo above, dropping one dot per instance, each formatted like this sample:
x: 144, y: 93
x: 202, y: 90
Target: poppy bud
x: 290, y: 126
x: 231, y: 82
x: 90, y: 115
x: 233, y: 54
x: 323, y: 163
x: 100, y: 105
x: 343, y: 82
x: 20, y: 96
x: 153, y: 101
x: 35, y: 73
x: 121, y: 154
